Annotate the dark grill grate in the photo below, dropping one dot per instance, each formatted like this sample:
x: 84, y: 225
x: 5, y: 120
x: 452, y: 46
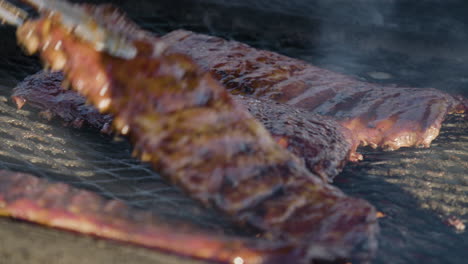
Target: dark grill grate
x: 88, y: 160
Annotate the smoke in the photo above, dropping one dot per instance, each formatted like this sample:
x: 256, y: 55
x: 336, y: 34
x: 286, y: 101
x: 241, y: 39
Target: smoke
x: 412, y: 43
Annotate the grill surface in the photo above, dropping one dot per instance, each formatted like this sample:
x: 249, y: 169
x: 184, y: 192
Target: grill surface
x: 417, y: 189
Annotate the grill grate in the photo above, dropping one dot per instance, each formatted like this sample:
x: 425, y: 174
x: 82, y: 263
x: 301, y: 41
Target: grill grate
x: 95, y: 162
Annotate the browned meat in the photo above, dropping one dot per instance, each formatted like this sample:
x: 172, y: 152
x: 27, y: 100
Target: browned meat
x: 59, y: 205
x: 379, y: 116
x: 320, y: 141
x: 44, y: 91
x: 184, y: 122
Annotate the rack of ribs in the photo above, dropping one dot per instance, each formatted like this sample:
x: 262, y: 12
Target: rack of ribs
x: 379, y: 116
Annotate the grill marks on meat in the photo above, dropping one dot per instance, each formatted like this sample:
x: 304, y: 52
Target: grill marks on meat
x: 185, y: 123
x: 379, y: 116
x: 320, y: 141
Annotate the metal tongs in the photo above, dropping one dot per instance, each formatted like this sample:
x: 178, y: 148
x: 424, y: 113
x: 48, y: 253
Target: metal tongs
x: 77, y: 20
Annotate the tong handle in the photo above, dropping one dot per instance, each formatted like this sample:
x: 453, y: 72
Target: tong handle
x: 89, y: 28
x: 11, y: 14
x: 75, y: 19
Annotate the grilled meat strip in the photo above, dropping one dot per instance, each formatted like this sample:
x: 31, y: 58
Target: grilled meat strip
x: 189, y: 128
x: 378, y: 116
x: 59, y: 205
x: 318, y: 140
